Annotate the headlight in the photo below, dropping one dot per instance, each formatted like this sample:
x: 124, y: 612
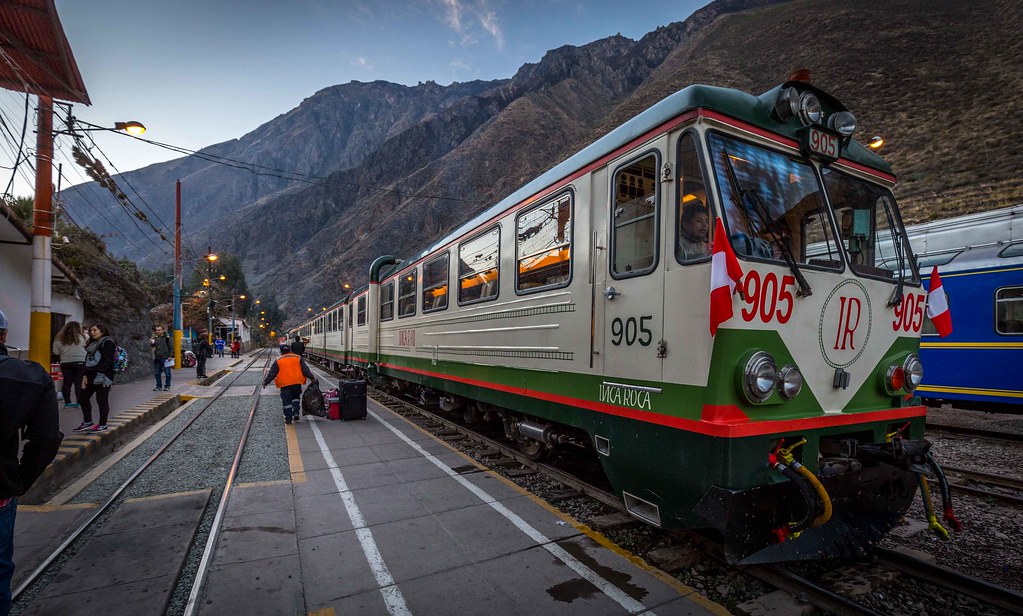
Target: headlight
x: 809, y: 109
x: 790, y: 382
x: 843, y: 122
x: 914, y: 372
x: 759, y: 377
x: 894, y: 380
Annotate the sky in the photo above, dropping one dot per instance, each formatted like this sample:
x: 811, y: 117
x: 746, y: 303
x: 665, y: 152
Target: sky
x: 199, y: 72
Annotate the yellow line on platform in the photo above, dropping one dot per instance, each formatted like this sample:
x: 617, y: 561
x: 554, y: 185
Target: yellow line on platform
x: 294, y: 455
x: 327, y: 611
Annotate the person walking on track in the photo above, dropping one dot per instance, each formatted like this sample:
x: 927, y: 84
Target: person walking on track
x: 289, y: 373
x: 69, y: 346
x: 29, y: 402
x: 298, y: 347
x: 163, y: 349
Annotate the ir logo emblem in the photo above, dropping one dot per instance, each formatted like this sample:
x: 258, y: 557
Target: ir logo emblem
x: 845, y: 324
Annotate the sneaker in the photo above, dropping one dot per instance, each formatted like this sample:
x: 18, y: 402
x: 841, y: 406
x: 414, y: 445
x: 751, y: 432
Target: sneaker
x: 287, y: 420
x: 98, y: 428
x: 85, y: 426
x: 167, y: 388
x: 156, y: 389
x: 297, y: 419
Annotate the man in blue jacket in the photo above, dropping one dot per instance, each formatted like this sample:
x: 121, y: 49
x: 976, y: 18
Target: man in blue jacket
x: 28, y: 400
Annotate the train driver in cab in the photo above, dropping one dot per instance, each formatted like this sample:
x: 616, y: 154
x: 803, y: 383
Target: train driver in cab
x: 693, y: 235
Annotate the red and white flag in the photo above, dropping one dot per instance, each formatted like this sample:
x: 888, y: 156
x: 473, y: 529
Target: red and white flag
x: 725, y: 273
x: 937, y: 306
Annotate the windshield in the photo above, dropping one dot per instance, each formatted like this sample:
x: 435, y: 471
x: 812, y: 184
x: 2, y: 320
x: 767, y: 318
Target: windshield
x: 773, y: 205
x: 870, y: 227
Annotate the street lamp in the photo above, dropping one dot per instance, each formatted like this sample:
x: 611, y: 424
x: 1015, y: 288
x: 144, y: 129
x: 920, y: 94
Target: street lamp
x: 210, y: 258
x: 40, y: 320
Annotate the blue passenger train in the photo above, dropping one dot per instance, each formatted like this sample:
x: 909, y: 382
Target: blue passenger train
x: 980, y: 261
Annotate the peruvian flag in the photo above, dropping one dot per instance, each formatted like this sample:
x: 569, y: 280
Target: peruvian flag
x: 937, y: 306
x: 725, y: 273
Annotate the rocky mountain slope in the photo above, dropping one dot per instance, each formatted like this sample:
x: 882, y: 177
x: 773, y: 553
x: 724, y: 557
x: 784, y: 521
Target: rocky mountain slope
x: 937, y: 78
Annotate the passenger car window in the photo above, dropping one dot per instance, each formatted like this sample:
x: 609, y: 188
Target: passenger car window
x: 435, y: 284
x: 543, y: 239
x: 634, y: 218
x: 1009, y: 310
x: 478, y: 261
x: 387, y: 301
x: 362, y: 310
x: 407, y: 284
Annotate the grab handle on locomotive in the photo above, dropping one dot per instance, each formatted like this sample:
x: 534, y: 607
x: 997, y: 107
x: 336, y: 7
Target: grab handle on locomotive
x: 610, y: 293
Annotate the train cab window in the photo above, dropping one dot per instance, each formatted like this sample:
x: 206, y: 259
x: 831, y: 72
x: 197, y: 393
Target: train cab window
x: 478, y: 261
x: 870, y: 228
x: 407, y: 284
x: 435, y: 284
x: 634, y: 214
x: 773, y: 205
x: 1009, y: 311
x: 692, y: 218
x: 361, y: 319
x: 387, y: 301
x: 350, y: 315
x: 543, y: 242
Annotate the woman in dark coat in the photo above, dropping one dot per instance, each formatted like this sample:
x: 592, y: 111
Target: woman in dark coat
x: 202, y: 351
x: 99, y: 377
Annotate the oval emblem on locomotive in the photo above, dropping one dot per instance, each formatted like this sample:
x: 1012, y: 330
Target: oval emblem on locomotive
x: 845, y: 324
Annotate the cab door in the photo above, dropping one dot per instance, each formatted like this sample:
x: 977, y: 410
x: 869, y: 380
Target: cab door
x: 632, y: 293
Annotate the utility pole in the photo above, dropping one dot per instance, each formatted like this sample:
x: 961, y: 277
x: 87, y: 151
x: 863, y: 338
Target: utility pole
x: 42, y: 237
x: 177, y: 276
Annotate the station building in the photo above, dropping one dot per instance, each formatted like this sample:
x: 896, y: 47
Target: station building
x: 16, y: 285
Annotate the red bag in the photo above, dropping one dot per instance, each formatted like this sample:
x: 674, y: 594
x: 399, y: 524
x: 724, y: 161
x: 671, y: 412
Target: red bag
x: 332, y: 402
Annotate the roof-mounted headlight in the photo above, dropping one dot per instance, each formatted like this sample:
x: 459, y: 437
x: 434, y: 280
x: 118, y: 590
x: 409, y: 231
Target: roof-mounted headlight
x: 787, y: 104
x: 810, y: 111
x: 760, y: 377
x: 843, y: 122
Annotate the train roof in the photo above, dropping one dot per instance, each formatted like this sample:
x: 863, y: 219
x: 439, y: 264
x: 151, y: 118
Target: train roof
x: 974, y: 241
x: 755, y: 110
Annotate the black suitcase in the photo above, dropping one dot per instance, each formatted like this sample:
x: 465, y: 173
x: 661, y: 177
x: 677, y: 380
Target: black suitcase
x: 353, y: 399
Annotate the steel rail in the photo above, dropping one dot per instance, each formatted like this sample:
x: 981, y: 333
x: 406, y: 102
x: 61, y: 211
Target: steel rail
x: 1009, y: 437
x: 38, y: 571
x: 207, y: 557
x: 943, y: 577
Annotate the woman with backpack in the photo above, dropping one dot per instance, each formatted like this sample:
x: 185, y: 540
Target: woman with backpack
x: 69, y: 346
x: 100, y: 354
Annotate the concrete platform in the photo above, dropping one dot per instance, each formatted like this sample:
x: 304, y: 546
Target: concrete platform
x: 380, y: 518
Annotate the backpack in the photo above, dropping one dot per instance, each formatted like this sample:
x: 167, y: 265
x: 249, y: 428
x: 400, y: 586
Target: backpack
x: 120, y: 360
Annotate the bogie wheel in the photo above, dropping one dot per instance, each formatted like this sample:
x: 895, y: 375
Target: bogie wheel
x: 532, y: 449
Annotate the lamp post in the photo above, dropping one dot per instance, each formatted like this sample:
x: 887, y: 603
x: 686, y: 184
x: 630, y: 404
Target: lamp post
x: 210, y: 258
x: 40, y: 320
x: 233, y: 335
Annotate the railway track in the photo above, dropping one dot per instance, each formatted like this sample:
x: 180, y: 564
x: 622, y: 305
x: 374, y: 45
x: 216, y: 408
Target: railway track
x: 779, y: 577
x: 52, y: 565
x: 1011, y: 438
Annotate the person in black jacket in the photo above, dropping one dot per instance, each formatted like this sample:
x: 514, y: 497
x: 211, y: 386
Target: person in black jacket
x: 297, y: 347
x: 29, y: 403
x: 99, y: 377
x: 163, y: 349
x: 202, y: 352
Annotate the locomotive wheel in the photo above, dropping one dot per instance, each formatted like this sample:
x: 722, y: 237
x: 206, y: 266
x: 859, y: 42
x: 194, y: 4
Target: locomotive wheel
x: 532, y: 449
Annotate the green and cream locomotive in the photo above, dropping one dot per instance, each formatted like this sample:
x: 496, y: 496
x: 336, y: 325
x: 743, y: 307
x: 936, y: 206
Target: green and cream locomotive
x: 576, y: 312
